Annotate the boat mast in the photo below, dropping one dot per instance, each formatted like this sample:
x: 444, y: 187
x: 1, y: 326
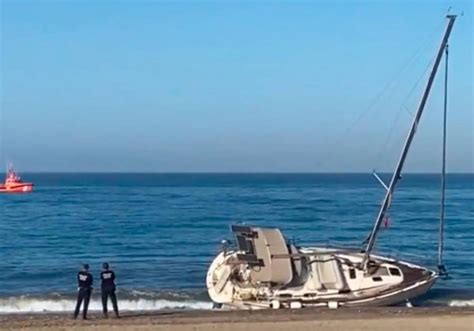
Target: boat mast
x: 441, y: 267
x: 396, y: 175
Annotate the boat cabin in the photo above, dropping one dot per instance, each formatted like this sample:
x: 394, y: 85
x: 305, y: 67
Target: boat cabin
x: 272, y: 260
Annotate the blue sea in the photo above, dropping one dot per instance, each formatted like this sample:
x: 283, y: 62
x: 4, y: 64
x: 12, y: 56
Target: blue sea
x: 159, y: 232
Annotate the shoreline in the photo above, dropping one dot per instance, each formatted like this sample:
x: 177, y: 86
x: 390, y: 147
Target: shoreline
x: 391, y: 318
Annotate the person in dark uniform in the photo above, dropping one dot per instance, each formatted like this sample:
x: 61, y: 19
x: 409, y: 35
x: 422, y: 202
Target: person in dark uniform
x: 107, y: 277
x: 84, y: 281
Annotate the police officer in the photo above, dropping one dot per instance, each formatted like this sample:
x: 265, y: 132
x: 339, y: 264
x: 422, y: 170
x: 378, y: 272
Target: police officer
x: 108, y: 289
x: 84, y: 281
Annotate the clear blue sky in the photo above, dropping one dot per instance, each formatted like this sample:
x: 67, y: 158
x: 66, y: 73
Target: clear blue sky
x: 229, y: 86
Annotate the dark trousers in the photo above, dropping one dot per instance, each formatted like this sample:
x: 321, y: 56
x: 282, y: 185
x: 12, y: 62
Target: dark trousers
x: 106, y: 293
x: 83, y: 294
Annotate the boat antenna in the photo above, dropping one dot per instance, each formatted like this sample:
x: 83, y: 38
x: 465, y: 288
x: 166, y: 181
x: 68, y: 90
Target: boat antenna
x: 397, y: 173
x: 441, y: 267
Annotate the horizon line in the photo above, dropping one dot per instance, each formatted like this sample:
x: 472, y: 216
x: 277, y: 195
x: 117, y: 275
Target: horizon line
x: 239, y: 172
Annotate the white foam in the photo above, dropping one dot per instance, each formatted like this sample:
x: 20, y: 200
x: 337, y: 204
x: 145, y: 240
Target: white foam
x: 162, y: 294
x: 461, y: 303
x: 25, y: 305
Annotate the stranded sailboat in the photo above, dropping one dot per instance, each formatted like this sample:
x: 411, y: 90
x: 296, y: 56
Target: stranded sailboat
x: 266, y: 271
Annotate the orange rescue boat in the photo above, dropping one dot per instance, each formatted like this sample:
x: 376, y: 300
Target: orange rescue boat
x: 14, y: 184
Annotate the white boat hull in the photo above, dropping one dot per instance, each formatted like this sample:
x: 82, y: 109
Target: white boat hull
x: 274, y: 274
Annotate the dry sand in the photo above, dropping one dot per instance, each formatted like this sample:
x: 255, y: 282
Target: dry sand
x: 387, y: 319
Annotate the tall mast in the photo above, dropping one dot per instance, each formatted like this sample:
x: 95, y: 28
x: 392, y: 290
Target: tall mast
x: 441, y: 267
x: 396, y: 175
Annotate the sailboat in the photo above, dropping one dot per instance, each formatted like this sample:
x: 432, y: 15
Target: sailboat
x: 265, y: 271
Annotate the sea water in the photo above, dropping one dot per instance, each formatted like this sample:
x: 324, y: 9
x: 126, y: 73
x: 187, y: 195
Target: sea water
x: 160, y: 232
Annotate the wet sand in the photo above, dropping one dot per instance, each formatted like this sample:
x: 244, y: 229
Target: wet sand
x: 396, y: 319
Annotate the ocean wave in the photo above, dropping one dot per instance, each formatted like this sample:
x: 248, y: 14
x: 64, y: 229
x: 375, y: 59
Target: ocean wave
x: 36, y: 305
x: 25, y: 304
x: 461, y: 303
x: 166, y: 295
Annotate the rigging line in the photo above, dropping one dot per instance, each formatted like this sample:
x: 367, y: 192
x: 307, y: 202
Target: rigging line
x: 389, y: 137
x: 378, y: 96
x: 397, y: 116
x: 408, y: 111
x: 430, y: 64
x: 385, y: 88
x: 391, y: 147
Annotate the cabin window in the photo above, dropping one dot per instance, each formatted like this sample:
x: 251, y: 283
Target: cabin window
x: 310, y: 295
x: 382, y: 272
x: 377, y: 279
x: 285, y: 295
x: 352, y: 273
x: 395, y: 272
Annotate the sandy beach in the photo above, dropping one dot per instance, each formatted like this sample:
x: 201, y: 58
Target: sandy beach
x: 295, y: 320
